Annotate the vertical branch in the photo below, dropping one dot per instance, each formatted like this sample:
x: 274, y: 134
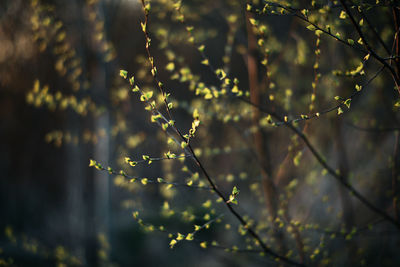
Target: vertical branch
x: 395, y: 175
x: 268, y: 185
x: 284, y: 171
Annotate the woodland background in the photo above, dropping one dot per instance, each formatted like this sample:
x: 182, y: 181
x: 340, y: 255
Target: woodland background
x: 55, y: 210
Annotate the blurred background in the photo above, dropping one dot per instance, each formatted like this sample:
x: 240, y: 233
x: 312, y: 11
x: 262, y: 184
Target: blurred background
x: 63, y: 102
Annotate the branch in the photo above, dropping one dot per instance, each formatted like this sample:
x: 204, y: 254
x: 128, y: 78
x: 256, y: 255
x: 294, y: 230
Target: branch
x: 358, y: 29
x: 319, y: 158
x: 197, y: 161
x: 374, y: 31
x: 144, y: 182
x: 369, y: 48
x: 305, y: 19
x: 239, y: 217
x: 342, y: 104
x: 340, y: 178
x: 372, y: 130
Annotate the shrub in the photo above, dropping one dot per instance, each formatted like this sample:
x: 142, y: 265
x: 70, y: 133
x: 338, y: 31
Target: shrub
x: 266, y: 129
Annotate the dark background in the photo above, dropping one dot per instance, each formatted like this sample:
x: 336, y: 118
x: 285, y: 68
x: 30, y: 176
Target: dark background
x: 75, y: 215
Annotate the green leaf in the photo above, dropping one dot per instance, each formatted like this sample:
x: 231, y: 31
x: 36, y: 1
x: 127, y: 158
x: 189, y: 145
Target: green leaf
x: 170, y: 66
x: 183, y: 144
x: 347, y: 103
x: 350, y: 41
x: 311, y: 27
x: 172, y: 243
x: 205, y: 62
x: 123, y: 74
x: 143, y: 26
x: 135, y: 214
x: 170, y: 155
x: 235, y: 191
x: 296, y: 159
x: 207, y: 204
x: 180, y: 237
x: 234, y: 201
x: 189, y: 237
x: 132, y: 163
x: 253, y: 22
x: 149, y: 94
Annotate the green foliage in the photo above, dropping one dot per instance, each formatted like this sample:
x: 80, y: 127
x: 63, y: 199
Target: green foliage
x: 253, y: 103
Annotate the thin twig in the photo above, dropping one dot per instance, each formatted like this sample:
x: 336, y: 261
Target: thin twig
x: 374, y: 31
x: 323, y: 163
x: 368, y: 46
x: 199, y: 164
x: 372, y: 130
